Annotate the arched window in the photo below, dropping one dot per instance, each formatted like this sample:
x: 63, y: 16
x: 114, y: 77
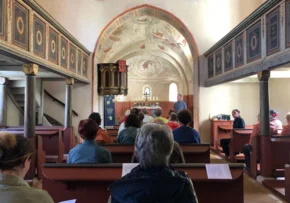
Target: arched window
x: 173, y: 92
x: 147, y: 91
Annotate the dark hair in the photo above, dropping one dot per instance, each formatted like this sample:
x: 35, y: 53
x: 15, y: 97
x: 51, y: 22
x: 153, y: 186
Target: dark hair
x: 132, y: 121
x: 14, y: 150
x: 134, y: 111
x: 170, y: 111
x: 158, y: 112
x: 141, y: 116
x: 96, y: 117
x: 184, y: 117
x: 236, y: 110
x: 173, y: 116
x: 88, y: 129
x: 145, y: 111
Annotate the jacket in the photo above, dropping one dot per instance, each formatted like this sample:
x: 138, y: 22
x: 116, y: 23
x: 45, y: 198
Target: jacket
x: 161, y: 185
x: 128, y: 135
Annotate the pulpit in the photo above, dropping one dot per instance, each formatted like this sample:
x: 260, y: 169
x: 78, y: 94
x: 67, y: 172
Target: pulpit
x: 113, y: 78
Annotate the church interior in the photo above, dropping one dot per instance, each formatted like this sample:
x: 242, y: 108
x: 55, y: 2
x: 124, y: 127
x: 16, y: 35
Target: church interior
x: 225, y: 60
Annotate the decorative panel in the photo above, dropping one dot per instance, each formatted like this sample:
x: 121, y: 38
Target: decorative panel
x: 254, y: 42
x: 228, y: 57
x: 210, y: 66
x: 39, y: 37
x: 2, y: 18
x: 239, y: 53
x: 63, y: 52
x: 20, y: 26
x: 72, y: 58
x: 273, y: 32
x: 85, y: 66
x: 79, y: 66
x: 53, y: 46
x: 218, y: 62
x: 288, y: 23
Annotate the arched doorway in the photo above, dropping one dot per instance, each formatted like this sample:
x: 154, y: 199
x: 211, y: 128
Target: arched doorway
x: 159, y: 50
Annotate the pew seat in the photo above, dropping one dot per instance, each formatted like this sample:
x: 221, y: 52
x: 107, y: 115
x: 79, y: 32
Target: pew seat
x: 239, y: 137
x: 90, y: 183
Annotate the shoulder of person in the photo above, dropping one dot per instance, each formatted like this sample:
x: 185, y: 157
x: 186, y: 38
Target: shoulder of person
x: 41, y: 195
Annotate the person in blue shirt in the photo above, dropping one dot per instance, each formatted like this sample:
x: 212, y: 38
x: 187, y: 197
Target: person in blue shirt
x: 88, y: 152
x: 185, y: 133
x: 180, y: 104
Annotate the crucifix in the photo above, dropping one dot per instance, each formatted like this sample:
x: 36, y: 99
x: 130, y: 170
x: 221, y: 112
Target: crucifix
x: 147, y: 95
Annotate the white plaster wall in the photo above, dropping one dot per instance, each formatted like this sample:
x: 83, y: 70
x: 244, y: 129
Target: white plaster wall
x: 14, y: 117
x: 279, y: 96
x: 208, y: 20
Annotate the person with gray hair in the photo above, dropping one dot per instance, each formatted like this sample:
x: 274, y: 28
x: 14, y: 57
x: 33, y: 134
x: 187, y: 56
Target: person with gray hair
x: 147, y: 118
x: 153, y: 180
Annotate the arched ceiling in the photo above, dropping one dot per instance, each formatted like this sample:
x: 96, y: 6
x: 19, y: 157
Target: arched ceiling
x: 155, y: 44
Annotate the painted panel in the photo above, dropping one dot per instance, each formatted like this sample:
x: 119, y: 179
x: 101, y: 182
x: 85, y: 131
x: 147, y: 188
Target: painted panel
x: 239, y: 54
x: 228, y: 57
x: 85, y: 65
x: 210, y: 66
x: 63, y: 52
x: 72, y: 58
x: 20, y: 26
x: 39, y: 37
x: 2, y: 18
x: 79, y: 67
x: 109, y: 118
x: 218, y: 62
x: 273, y: 32
x: 288, y: 23
x: 53, y: 46
x: 254, y: 42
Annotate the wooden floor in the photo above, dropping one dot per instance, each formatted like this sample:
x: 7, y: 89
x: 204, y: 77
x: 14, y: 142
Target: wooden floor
x: 254, y: 191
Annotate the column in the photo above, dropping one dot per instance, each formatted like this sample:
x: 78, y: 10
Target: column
x: 3, y: 101
x: 30, y: 71
x: 68, y: 102
x: 266, y: 165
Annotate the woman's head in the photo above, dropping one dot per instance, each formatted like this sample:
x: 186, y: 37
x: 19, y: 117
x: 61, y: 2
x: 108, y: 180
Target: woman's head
x: 15, y: 153
x: 235, y: 113
x: 273, y: 114
x: 132, y: 121
x: 173, y: 117
x: 88, y: 129
x: 170, y: 111
x: 154, y: 145
x: 288, y: 118
x: 96, y: 117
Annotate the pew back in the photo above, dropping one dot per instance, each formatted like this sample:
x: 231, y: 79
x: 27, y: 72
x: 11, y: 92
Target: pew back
x: 88, y: 182
x: 238, y: 139
x: 287, y: 184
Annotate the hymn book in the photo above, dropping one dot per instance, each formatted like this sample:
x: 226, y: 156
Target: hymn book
x: 218, y: 171
x: 127, y: 168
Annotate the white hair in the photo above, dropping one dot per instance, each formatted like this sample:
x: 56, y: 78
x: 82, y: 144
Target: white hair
x: 154, y: 145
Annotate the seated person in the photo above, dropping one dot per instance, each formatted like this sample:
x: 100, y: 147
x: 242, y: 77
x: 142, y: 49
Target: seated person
x: 169, y: 113
x: 88, y: 152
x: 15, y: 158
x: 274, y: 119
x: 153, y: 180
x: 128, y: 135
x: 185, y: 133
x: 102, y: 135
x: 286, y: 128
x: 141, y: 118
x: 132, y: 111
x: 238, y: 123
x: 172, y: 123
x: 158, y: 114
x: 247, y: 149
x: 147, y: 118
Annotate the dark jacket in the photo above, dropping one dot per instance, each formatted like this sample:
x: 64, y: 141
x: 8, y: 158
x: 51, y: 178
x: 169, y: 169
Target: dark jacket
x: 161, y: 185
x: 239, y: 123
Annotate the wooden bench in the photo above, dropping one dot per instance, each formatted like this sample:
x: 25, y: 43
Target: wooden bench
x: 90, y: 183
x: 279, y: 155
x: 193, y: 153
x: 239, y: 137
x: 280, y: 188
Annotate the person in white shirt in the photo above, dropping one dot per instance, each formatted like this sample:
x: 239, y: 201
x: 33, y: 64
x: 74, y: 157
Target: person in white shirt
x: 147, y: 118
x: 274, y: 118
x: 132, y: 111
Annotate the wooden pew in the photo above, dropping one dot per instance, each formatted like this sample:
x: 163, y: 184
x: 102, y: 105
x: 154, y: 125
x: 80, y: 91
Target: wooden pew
x: 239, y: 137
x: 280, y: 155
x: 89, y: 183
x: 193, y: 153
x: 196, y: 153
x: 68, y: 137
x: 280, y: 188
x: 224, y: 132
